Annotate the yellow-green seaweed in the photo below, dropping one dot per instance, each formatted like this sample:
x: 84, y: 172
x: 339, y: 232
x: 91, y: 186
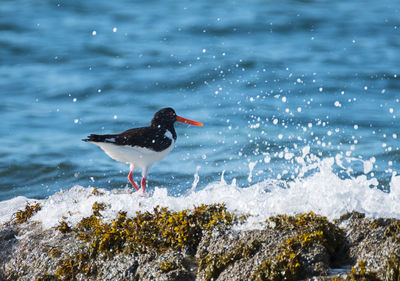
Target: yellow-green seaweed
x: 23, y: 215
x: 392, y: 268
x: 168, y: 265
x: 163, y: 229
x: 97, y: 207
x: 63, y: 227
x: 70, y: 267
x: 310, y: 229
x: 393, y: 230
x: 159, y: 231
x: 333, y: 238
x: 287, y: 264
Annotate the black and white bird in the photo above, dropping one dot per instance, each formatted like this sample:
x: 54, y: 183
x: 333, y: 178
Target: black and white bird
x: 142, y: 147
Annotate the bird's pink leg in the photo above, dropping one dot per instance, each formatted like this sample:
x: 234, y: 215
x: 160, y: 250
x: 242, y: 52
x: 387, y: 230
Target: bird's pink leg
x: 143, y: 185
x: 131, y: 180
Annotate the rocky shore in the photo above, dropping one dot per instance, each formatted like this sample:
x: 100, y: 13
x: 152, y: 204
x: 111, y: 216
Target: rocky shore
x: 204, y: 243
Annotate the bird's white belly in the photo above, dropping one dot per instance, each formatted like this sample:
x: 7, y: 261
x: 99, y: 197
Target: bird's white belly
x: 138, y: 156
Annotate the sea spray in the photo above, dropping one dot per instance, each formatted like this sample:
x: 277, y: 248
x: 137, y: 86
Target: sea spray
x: 318, y: 187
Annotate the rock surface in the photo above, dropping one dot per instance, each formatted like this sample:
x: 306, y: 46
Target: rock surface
x: 301, y: 247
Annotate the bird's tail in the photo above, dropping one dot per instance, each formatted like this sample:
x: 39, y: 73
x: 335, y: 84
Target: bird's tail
x: 97, y: 138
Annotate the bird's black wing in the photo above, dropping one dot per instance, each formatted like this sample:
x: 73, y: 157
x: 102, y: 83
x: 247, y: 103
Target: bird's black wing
x: 149, y: 137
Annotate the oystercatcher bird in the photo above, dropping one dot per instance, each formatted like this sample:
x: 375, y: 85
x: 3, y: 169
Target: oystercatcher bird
x: 142, y: 147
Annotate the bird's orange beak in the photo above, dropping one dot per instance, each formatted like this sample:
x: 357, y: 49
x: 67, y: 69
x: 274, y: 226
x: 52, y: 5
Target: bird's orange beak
x: 187, y: 121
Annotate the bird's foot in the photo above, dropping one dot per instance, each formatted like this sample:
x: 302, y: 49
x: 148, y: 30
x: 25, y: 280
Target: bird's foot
x: 143, y: 194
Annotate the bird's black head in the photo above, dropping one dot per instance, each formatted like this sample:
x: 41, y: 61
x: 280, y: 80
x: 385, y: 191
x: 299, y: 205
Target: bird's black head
x: 164, y: 117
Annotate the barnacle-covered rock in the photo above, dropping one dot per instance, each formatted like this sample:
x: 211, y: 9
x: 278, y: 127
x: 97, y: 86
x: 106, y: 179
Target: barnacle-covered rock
x: 314, y: 245
x: 201, y: 243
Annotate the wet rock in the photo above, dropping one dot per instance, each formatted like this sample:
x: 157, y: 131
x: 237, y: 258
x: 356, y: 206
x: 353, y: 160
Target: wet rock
x: 302, y: 247
x: 7, y: 241
x: 374, y: 242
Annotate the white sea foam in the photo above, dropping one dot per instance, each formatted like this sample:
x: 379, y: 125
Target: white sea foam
x: 323, y: 192
x: 10, y: 207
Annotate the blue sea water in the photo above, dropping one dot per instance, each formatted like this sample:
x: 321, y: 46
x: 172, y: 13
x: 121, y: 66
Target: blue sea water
x: 272, y: 81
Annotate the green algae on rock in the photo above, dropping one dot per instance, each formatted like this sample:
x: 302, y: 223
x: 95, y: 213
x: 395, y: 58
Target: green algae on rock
x: 63, y: 227
x: 23, y: 215
x: 73, y: 266
x: 310, y: 230
x: 392, y: 269
x: 200, y: 244
x: 393, y: 230
x: 97, y: 207
x: 167, y: 265
x: 309, y: 224
x: 391, y: 227
x: 159, y: 231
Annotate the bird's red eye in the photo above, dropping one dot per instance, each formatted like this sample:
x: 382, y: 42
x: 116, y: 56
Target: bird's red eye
x: 171, y: 113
